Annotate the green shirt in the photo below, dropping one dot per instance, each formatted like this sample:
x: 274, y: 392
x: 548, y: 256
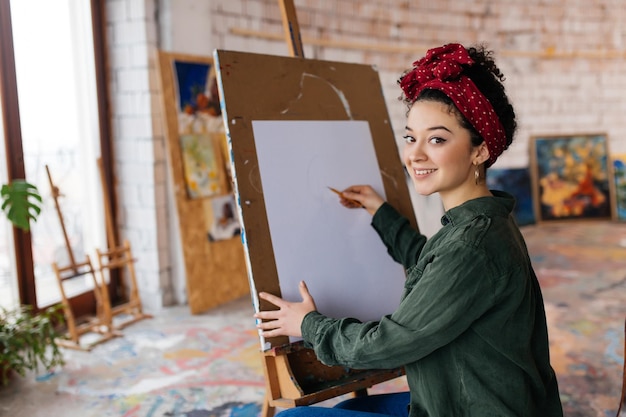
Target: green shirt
x: 470, y: 329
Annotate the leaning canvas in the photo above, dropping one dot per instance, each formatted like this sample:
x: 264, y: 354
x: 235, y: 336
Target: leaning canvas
x: 515, y: 181
x: 571, y: 177
x: 619, y: 173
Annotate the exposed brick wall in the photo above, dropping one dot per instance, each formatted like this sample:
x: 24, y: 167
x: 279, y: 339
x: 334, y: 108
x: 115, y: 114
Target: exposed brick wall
x: 547, y: 50
x: 139, y: 148
x: 571, y: 91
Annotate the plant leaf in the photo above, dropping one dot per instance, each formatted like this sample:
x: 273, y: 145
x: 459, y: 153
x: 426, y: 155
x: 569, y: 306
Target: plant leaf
x: 21, y: 203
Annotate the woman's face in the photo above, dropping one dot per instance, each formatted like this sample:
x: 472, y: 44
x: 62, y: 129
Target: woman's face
x: 439, y: 155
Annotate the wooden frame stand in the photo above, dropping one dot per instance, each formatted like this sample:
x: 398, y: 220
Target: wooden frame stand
x: 100, y: 324
x: 295, y: 377
x: 122, y: 258
x: 622, y: 400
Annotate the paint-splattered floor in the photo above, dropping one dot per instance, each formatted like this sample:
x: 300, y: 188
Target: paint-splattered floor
x: 178, y: 365
x: 172, y: 365
x: 582, y: 270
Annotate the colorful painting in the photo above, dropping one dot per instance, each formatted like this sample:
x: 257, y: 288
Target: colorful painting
x: 226, y: 223
x: 197, y: 89
x: 571, y: 177
x: 199, y: 124
x: 515, y: 181
x: 619, y: 173
x: 201, y: 164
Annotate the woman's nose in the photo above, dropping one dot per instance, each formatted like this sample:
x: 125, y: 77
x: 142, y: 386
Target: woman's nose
x: 415, y: 151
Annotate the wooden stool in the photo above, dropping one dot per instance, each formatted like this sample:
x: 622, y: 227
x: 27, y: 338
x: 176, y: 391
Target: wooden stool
x: 100, y: 324
x: 122, y: 258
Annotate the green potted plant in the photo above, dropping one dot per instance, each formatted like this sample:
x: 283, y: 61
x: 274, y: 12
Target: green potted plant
x: 27, y: 338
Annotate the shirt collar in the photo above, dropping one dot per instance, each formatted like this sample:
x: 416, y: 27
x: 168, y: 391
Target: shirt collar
x: 500, y: 204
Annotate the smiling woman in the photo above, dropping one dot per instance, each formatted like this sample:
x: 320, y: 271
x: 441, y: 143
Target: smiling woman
x: 58, y: 125
x: 471, y: 313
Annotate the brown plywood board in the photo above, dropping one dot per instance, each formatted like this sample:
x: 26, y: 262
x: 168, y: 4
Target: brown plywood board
x: 214, y: 262
x: 261, y: 87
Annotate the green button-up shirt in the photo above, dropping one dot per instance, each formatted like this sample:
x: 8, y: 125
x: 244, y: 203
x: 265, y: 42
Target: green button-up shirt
x: 470, y: 329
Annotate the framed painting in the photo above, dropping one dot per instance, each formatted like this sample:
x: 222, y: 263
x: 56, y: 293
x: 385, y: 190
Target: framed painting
x: 200, y: 128
x: 515, y: 181
x: 571, y: 177
x: 619, y: 174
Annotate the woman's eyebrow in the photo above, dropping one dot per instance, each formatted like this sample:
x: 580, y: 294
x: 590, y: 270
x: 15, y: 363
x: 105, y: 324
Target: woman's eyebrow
x: 430, y: 128
x: 439, y: 127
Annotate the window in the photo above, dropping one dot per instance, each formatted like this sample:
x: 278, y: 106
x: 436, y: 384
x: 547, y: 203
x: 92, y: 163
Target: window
x: 58, y: 107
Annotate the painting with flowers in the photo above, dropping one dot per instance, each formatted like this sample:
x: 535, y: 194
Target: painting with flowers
x: 571, y: 177
x: 200, y: 129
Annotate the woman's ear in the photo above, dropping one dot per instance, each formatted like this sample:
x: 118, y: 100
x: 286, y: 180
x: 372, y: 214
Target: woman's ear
x: 482, y: 153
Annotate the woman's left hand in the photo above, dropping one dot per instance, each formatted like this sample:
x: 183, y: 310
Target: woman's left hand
x: 285, y: 321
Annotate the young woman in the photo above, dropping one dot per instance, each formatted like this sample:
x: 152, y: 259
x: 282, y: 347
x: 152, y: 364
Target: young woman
x: 470, y: 329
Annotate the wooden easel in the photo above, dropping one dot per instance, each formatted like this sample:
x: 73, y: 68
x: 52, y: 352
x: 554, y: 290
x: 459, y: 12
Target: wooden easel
x: 119, y: 257
x: 102, y: 322
x: 622, y: 399
x: 294, y: 375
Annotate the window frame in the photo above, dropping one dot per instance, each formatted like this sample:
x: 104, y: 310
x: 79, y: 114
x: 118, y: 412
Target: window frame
x: 83, y: 303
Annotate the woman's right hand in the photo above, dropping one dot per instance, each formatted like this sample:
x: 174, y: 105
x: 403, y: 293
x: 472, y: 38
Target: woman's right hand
x: 365, y: 195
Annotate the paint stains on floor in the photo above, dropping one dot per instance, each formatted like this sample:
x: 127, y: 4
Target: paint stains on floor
x: 209, y: 365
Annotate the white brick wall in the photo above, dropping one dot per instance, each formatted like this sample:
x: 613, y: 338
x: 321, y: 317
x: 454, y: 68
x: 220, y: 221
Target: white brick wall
x: 138, y: 145
x: 551, y: 95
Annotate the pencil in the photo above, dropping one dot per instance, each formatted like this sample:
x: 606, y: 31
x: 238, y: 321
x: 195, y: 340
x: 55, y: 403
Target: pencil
x: 339, y: 193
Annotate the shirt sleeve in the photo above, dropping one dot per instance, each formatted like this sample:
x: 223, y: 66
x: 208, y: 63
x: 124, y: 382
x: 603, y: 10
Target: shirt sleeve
x: 443, y: 298
x: 403, y: 242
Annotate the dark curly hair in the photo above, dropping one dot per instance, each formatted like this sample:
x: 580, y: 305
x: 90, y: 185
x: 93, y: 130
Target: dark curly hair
x: 488, y: 78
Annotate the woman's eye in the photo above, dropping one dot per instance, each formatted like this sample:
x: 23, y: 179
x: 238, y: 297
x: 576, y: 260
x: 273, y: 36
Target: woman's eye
x: 408, y: 139
x: 436, y: 140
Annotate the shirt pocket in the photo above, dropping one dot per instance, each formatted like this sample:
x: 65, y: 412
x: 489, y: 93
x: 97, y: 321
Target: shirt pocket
x: 414, y: 274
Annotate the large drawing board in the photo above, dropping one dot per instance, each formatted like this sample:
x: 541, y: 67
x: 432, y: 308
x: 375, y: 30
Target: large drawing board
x: 295, y: 127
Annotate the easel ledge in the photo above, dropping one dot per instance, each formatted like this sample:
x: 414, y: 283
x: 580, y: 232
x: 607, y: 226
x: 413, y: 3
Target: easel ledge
x: 298, y: 378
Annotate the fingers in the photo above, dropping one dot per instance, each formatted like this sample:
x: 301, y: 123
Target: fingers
x: 358, y: 189
x: 304, y: 291
x: 365, y: 196
x: 277, y: 301
x: 287, y: 319
x: 270, y: 328
x: 357, y: 193
x: 269, y: 323
x: 267, y: 315
x: 350, y: 203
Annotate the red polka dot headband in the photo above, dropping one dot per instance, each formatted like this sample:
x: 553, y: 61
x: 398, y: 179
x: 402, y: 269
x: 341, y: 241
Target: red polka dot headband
x: 442, y: 69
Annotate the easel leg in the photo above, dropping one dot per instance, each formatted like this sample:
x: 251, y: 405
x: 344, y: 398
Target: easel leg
x: 360, y: 393
x: 268, y: 410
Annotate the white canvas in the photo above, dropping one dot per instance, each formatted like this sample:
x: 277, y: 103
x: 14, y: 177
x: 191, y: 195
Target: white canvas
x: 315, y: 239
